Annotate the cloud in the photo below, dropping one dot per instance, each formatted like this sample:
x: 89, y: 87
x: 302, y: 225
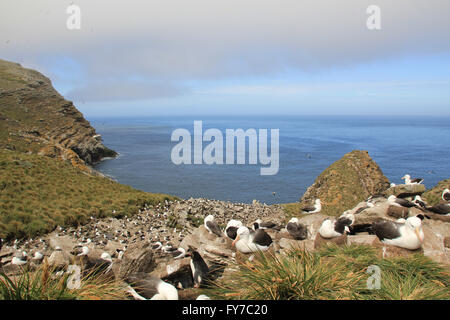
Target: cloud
x: 171, y: 42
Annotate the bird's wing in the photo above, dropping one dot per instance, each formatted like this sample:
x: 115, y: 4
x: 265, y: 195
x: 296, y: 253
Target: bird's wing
x: 309, y: 208
x: 231, y: 232
x: 144, y: 284
x: 386, y: 230
x: 214, y: 228
x: 262, y: 238
x: 297, y: 231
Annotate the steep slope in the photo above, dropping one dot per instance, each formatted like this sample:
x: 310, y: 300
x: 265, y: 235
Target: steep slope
x: 35, y: 118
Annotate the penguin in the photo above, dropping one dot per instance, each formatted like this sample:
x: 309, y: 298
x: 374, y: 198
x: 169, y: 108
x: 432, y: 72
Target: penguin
x: 199, y: 267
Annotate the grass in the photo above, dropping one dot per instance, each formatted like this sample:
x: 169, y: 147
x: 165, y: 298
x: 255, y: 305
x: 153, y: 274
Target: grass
x: 38, y: 193
x: 332, y: 273
x: 44, y: 284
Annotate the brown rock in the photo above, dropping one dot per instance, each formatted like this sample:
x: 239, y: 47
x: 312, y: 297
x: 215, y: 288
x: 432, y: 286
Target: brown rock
x: 447, y: 242
x: 406, y: 190
x: 363, y: 239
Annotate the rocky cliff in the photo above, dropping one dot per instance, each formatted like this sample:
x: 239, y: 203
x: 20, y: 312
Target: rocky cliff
x: 347, y: 182
x: 35, y: 118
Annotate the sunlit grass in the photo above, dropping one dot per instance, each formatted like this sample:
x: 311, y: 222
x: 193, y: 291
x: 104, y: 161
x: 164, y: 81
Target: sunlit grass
x: 333, y: 273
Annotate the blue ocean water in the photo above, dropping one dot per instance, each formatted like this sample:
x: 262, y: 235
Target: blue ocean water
x: 308, y: 145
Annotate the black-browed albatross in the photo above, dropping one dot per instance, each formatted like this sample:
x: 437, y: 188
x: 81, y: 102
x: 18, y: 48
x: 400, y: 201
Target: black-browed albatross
x: 407, y: 235
x: 212, y: 225
x: 142, y: 286
x: 297, y: 230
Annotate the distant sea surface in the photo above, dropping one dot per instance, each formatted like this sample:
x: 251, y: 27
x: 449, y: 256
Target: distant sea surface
x: 308, y: 145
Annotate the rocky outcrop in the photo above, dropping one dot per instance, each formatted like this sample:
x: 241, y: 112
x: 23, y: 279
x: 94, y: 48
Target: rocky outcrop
x: 434, y: 195
x: 39, y: 120
x: 347, y: 182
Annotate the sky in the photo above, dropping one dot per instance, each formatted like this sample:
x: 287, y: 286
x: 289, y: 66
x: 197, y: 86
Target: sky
x: 204, y: 57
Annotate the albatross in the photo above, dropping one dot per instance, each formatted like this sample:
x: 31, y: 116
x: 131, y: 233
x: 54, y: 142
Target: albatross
x: 446, y: 195
x: 231, y: 228
x: 399, y: 202
x: 332, y: 229
x: 145, y: 287
x: 212, y: 226
x: 408, y: 180
x: 407, y: 235
x: 297, y: 230
x: 247, y: 241
x: 443, y: 208
x: 317, y: 207
x: 259, y: 224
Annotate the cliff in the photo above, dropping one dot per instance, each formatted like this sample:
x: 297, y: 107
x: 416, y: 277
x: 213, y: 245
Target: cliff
x: 347, y: 182
x: 35, y: 118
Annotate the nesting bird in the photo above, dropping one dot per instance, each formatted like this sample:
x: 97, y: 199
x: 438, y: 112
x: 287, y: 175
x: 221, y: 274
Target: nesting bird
x: 407, y: 235
x: 408, y: 180
x: 251, y: 241
x: 212, y: 226
x: 232, y: 227
x: 332, y: 229
x: 442, y: 208
x: 317, y: 207
x: 297, y: 230
x: 259, y: 224
x: 145, y: 287
x: 446, y: 195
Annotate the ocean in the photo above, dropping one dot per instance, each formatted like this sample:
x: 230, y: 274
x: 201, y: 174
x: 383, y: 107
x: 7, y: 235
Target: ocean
x: 307, y: 146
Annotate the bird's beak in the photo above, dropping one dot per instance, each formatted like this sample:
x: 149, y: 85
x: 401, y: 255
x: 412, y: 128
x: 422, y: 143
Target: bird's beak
x: 417, y: 231
x: 403, y: 178
x: 235, y: 240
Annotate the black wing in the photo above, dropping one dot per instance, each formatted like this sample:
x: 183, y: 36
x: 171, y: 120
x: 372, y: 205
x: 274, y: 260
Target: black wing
x: 341, y: 223
x: 213, y: 226
x: 231, y: 232
x: 262, y: 238
x: 386, y: 229
x: 144, y: 284
x: 309, y: 208
x: 442, y: 208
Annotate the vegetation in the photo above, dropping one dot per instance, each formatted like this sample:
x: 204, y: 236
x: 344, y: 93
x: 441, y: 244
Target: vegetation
x: 38, y: 193
x: 44, y: 284
x: 332, y: 273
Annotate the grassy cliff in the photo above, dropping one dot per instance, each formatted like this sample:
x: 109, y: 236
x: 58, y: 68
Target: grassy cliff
x: 46, y: 147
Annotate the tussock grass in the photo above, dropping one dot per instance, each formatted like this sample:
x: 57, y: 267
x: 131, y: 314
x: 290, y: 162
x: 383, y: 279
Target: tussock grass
x: 44, y: 284
x: 332, y: 273
x: 38, y: 193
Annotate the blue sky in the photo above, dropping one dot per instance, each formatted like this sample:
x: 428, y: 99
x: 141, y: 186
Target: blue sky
x: 229, y: 57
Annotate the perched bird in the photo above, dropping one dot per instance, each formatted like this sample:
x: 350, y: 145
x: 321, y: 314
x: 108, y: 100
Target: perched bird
x: 259, y: 224
x: 407, y: 235
x: 297, y: 230
x: 251, y: 241
x: 442, y: 208
x: 212, y: 226
x: 419, y: 202
x: 38, y: 256
x: 157, y: 245
x: 317, y: 207
x: 199, y: 267
x: 332, y: 229
x: 231, y: 228
x: 408, y: 180
x: 20, y: 259
x: 446, y: 195
x: 94, y: 266
x: 367, y: 206
x: 177, y: 253
x: 203, y: 297
x: 399, y: 202
x: 145, y: 287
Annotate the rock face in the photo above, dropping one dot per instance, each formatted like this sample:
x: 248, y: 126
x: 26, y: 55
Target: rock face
x: 347, y: 182
x: 38, y: 119
x: 433, y: 196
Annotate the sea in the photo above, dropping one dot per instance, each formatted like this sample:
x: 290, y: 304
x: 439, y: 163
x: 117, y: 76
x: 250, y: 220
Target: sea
x: 307, y: 146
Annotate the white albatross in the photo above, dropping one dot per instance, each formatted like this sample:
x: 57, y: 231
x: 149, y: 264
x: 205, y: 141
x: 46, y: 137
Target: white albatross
x: 247, y: 241
x: 407, y: 235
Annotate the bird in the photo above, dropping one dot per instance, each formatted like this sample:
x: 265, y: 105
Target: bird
x: 408, y: 180
x: 212, y: 226
x: 442, y: 208
x: 176, y: 253
x: 38, y: 256
x: 1, y: 243
x: 20, y: 259
x: 94, y: 266
x: 297, y: 230
x: 446, y: 195
x: 317, y: 207
x: 203, y: 297
x: 399, y: 202
x: 265, y: 225
x: 199, y: 268
x: 231, y: 228
x: 407, y: 235
x: 157, y: 245
x: 419, y: 202
x: 367, y: 206
x: 332, y: 229
x: 251, y: 241
x: 142, y: 286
